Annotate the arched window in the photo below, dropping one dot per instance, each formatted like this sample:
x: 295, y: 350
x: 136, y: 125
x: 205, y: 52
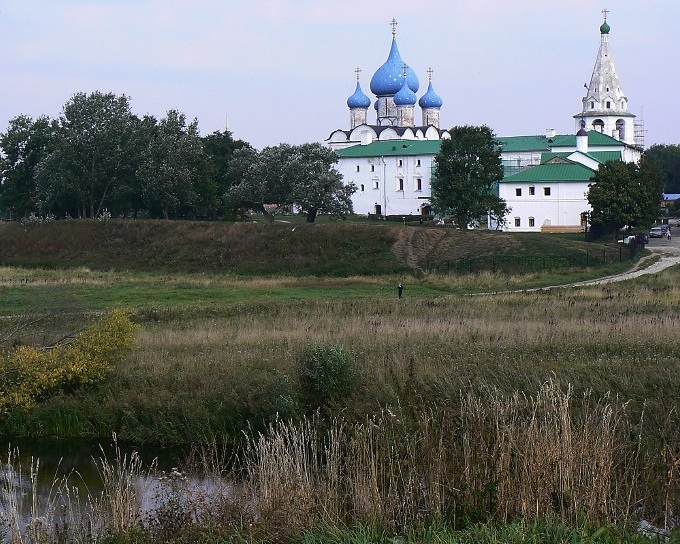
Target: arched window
x: 621, y: 129
x: 598, y: 125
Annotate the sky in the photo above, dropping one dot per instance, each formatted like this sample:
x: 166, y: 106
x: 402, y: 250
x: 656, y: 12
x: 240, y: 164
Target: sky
x: 276, y: 71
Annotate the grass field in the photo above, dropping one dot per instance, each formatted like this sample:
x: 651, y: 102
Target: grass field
x: 570, y: 395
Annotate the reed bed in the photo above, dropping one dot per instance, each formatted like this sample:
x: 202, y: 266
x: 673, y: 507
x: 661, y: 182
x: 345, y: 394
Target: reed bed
x: 499, y: 457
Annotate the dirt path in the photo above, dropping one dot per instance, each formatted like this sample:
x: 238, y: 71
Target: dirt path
x: 669, y: 255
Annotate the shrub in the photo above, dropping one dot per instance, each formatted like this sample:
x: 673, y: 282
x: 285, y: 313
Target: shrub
x: 327, y: 374
x: 30, y: 374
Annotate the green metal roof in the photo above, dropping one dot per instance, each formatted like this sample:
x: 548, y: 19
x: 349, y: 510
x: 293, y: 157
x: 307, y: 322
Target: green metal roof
x: 516, y: 144
x: 391, y: 148
x: 595, y: 138
x: 562, y: 172
x: 599, y: 156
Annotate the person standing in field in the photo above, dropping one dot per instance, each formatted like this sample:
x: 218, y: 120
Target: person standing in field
x: 400, y: 289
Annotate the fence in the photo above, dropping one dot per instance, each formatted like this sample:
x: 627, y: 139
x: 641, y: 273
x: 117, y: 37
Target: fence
x: 519, y: 263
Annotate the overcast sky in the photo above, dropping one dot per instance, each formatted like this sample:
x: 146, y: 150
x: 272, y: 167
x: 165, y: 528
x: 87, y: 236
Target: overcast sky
x: 281, y: 70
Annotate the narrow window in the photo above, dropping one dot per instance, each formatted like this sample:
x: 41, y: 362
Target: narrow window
x: 531, y: 221
x: 357, y: 167
x: 532, y: 190
x: 518, y: 222
x: 401, y: 184
x: 401, y: 163
x: 373, y: 168
x: 518, y: 191
x: 546, y: 191
x: 418, y: 162
x: 419, y: 184
x: 592, y: 105
x: 362, y: 187
x: 376, y: 185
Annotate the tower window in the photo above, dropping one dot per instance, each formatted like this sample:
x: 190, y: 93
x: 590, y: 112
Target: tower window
x: 609, y: 105
x: 362, y: 187
x: 401, y: 163
x: 376, y: 184
x: 592, y: 105
x: 357, y: 167
x: 532, y: 190
x: 518, y: 191
x: 419, y: 184
x: 373, y: 168
x: 401, y: 184
x: 546, y: 191
x: 418, y: 162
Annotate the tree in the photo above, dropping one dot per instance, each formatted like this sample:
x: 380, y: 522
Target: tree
x: 219, y: 148
x: 25, y: 143
x: 667, y: 158
x: 283, y: 176
x: 317, y: 185
x: 172, y: 167
x: 94, y: 150
x: 625, y: 194
x: 468, y: 166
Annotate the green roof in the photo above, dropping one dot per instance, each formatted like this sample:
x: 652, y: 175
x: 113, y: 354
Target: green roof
x: 391, y: 148
x: 595, y: 138
x: 599, y: 156
x: 515, y: 144
x: 571, y: 171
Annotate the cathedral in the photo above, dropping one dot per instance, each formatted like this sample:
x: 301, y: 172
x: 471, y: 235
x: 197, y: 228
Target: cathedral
x: 546, y: 178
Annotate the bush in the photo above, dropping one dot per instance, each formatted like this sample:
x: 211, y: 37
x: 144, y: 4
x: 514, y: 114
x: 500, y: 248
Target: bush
x: 29, y: 374
x: 327, y: 374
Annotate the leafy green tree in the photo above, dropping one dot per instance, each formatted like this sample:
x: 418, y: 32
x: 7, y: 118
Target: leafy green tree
x: 94, y: 154
x: 263, y: 184
x: 468, y: 167
x: 173, y: 166
x: 219, y: 148
x: 667, y: 158
x: 625, y: 194
x: 24, y: 144
x: 317, y: 185
x: 283, y: 176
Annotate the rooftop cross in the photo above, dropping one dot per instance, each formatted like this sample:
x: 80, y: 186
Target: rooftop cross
x: 357, y: 72
x: 605, y: 11
x: 394, y: 24
x: 429, y: 73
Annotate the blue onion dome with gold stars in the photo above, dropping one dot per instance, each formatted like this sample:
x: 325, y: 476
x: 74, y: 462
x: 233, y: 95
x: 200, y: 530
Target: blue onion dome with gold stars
x: 388, y: 79
x: 405, y: 96
x: 430, y: 99
x: 358, y: 99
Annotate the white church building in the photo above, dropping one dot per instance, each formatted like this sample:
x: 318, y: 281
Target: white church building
x: 546, y: 176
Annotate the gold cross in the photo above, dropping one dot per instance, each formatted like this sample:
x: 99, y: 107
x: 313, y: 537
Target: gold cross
x: 394, y: 26
x: 605, y: 11
x: 357, y: 72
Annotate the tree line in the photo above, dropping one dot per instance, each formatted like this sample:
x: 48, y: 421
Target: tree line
x: 99, y: 158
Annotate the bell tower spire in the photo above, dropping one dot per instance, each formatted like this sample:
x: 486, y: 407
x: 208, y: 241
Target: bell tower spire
x: 605, y: 106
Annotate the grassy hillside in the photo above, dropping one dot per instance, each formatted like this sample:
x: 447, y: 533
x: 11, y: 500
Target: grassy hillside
x: 337, y: 249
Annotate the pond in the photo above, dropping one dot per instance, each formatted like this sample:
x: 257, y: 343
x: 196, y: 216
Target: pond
x: 48, y: 484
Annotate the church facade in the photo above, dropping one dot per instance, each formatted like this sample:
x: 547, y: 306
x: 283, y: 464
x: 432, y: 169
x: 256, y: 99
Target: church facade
x: 391, y: 160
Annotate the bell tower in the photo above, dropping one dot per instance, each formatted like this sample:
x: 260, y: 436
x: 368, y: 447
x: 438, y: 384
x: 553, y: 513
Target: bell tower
x: 605, y: 106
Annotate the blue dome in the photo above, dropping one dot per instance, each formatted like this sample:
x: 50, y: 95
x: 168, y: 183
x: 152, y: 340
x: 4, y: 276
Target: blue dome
x: 388, y: 78
x: 430, y: 99
x: 405, y: 96
x: 358, y: 99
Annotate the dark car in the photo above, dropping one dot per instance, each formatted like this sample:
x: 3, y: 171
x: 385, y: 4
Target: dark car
x: 641, y: 238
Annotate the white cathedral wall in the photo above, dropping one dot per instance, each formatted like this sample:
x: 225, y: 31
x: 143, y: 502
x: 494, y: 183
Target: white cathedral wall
x: 378, y: 183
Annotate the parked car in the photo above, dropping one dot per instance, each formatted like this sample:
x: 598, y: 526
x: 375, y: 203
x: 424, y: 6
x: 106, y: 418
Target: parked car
x: 657, y: 232
x: 642, y: 238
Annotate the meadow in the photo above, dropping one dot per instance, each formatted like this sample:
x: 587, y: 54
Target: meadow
x: 450, y: 409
